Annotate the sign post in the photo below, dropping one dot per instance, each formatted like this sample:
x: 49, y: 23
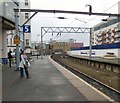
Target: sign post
x: 26, y: 29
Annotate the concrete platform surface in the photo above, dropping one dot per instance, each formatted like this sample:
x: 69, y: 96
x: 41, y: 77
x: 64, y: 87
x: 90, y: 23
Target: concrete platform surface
x: 47, y: 84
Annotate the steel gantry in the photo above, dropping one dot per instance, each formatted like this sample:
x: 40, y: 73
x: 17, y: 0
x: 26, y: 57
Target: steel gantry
x: 59, y: 30
x: 65, y: 30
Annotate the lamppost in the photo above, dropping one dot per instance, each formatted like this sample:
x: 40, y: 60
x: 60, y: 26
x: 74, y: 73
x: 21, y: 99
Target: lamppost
x: 38, y: 39
x: 38, y: 46
x: 41, y: 44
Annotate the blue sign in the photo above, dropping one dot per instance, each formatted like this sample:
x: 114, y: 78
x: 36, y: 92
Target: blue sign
x: 26, y: 29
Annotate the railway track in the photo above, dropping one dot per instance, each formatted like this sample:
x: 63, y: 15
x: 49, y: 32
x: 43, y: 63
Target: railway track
x: 112, y: 93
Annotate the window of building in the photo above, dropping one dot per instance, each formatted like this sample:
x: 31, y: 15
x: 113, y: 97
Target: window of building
x: 116, y: 39
x: 27, y: 42
x: 26, y: 16
x: 26, y: 2
x: 7, y: 41
x: 10, y: 41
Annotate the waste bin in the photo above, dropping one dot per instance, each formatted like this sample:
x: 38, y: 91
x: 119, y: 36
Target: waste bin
x: 4, y: 60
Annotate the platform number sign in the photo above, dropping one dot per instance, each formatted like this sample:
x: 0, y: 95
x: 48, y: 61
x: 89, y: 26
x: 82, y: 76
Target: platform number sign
x: 26, y: 29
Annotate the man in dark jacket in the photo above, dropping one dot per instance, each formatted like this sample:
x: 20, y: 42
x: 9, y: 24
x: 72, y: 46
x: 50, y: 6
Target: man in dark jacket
x: 10, y: 57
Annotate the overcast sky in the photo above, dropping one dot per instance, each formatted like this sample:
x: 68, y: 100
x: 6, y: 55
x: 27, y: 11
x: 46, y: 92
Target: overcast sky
x: 50, y: 20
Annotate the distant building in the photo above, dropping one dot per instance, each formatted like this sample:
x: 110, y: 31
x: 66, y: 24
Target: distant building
x: 107, y: 32
x: 60, y: 47
x: 75, y: 45
x: 24, y: 16
x: 65, y: 46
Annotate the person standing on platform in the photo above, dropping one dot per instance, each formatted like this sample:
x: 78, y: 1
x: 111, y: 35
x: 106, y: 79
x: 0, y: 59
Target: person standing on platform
x: 23, y: 65
x: 9, y: 57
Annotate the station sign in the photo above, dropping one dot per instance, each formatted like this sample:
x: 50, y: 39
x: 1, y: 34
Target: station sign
x: 26, y: 29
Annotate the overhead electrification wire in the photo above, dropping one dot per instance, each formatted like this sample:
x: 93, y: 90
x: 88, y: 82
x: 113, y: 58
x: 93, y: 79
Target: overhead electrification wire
x: 103, y: 11
x: 111, y: 7
x: 61, y: 37
x: 93, y: 17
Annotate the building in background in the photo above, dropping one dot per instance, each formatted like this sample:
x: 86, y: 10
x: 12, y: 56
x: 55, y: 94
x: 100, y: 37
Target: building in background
x: 10, y: 40
x: 63, y: 47
x: 107, y: 32
x: 25, y: 4
x: 60, y: 47
x: 23, y: 16
x: 7, y: 22
x: 75, y: 45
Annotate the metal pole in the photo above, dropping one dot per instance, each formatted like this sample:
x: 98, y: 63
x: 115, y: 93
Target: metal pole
x: 118, y: 26
x: 38, y: 46
x: 41, y: 44
x: 23, y: 41
x: 64, y: 11
x: 17, y: 45
x: 29, y: 19
x: 90, y: 45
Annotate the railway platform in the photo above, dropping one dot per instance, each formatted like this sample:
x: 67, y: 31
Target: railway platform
x: 100, y: 59
x: 49, y: 82
x: 109, y: 64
